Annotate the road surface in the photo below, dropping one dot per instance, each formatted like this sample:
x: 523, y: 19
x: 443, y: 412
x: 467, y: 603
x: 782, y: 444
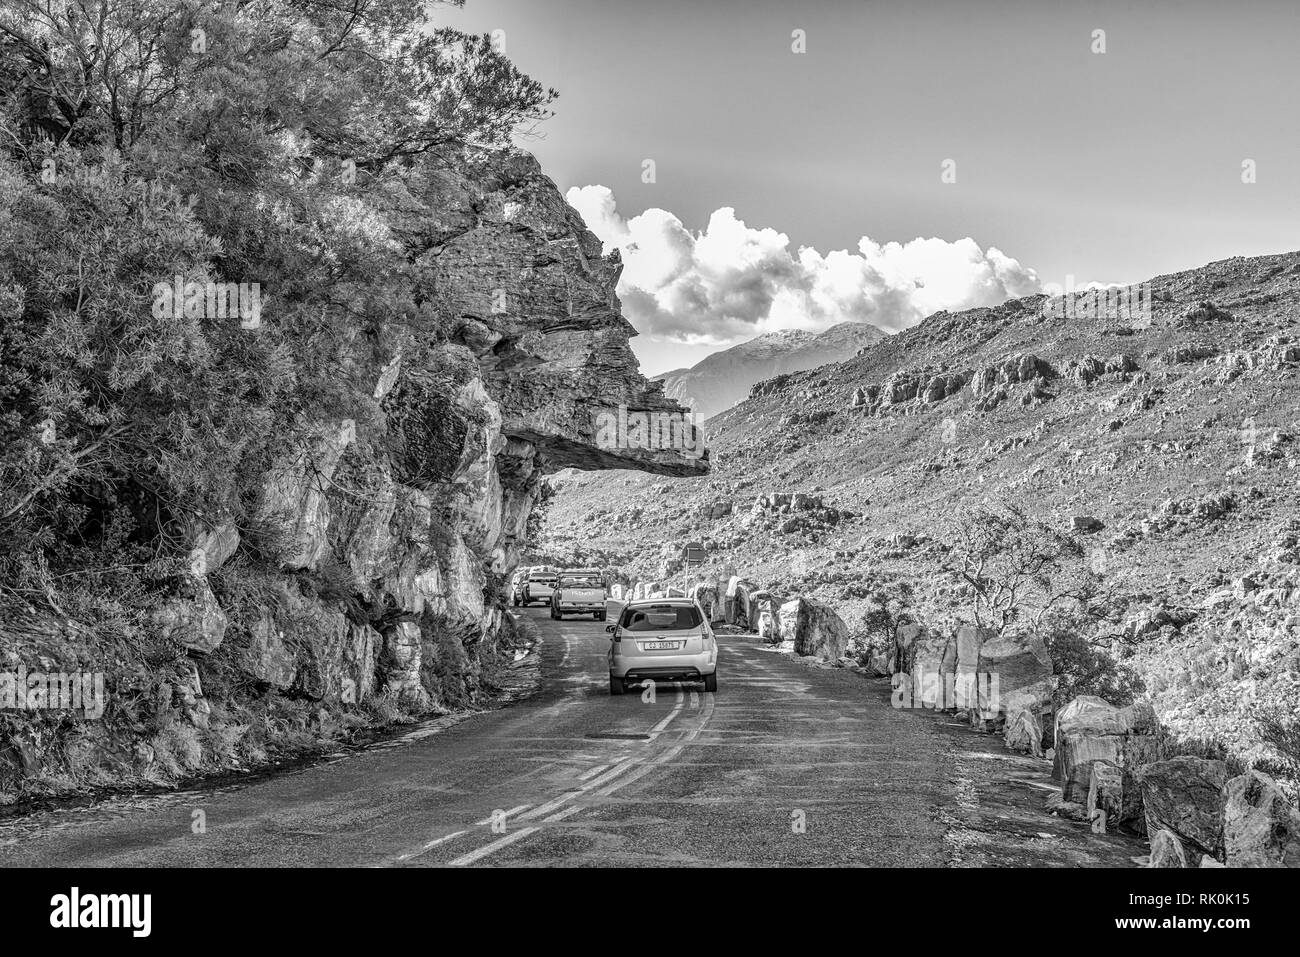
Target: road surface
x: 787, y: 764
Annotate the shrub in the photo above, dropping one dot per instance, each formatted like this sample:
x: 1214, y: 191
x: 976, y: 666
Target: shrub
x: 1082, y: 668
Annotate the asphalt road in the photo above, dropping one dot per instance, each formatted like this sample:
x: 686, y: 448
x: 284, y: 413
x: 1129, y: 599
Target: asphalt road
x: 785, y: 765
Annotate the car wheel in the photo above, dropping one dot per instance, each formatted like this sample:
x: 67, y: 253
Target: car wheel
x: 711, y: 682
x: 617, y: 685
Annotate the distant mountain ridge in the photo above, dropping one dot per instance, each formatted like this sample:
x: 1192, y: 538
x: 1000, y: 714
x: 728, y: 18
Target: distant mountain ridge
x: 724, y: 378
x: 1162, y: 437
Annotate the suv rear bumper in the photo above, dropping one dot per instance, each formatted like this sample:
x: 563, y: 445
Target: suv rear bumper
x: 663, y: 668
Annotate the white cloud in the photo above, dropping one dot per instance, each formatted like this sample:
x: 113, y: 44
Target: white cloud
x: 731, y: 281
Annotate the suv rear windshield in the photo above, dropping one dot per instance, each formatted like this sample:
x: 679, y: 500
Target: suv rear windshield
x: 541, y: 578
x: 581, y: 581
x: 660, y: 618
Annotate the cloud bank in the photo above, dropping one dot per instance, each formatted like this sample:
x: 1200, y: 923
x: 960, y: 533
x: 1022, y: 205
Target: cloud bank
x: 731, y: 281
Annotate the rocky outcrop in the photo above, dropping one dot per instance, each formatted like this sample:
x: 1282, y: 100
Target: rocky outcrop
x: 1019, y: 675
x: 373, y: 563
x: 1260, y: 828
x: 193, y: 618
x: 1186, y: 796
x: 1167, y: 850
x: 1105, y: 804
x: 1088, y: 730
x: 813, y: 629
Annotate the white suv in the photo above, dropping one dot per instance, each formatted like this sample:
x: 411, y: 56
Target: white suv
x: 662, y: 639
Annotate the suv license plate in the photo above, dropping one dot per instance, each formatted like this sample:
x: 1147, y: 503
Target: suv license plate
x: 661, y: 645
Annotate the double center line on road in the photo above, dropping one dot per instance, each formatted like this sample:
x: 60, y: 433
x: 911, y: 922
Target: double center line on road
x: 600, y: 781
x: 601, y: 785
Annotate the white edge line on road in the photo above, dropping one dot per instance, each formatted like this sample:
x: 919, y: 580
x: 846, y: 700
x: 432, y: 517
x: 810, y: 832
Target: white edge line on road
x: 513, y: 810
x: 431, y: 845
x: 455, y: 834
x: 474, y: 856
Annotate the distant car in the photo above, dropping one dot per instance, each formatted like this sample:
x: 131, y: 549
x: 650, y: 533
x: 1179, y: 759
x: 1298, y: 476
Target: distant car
x: 579, y: 591
x: 664, y: 639
x: 538, y: 586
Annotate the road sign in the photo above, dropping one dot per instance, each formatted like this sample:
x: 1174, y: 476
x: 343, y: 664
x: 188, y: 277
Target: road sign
x: 693, y: 553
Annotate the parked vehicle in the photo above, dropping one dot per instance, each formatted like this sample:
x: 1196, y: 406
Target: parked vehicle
x: 538, y: 586
x: 579, y: 591
x: 663, y: 639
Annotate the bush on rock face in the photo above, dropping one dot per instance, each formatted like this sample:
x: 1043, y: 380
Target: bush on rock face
x: 248, y: 451
x: 1082, y: 668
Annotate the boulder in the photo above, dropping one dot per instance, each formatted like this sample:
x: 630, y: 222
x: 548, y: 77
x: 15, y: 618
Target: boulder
x: 814, y: 628
x: 360, y: 655
x: 1260, y: 828
x: 730, y: 601
x: 919, y: 648
x: 704, y: 595
x: 400, y: 662
x: 193, y: 619
x: 1089, y: 729
x: 718, y: 510
x: 267, y: 658
x: 967, y: 655
x: 879, y: 665
x: 1024, y: 731
x: 217, y: 545
x: 294, y: 493
x: 925, y: 663
x: 745, y: 606
x: 1014, y: 665
x: 189, y: 692
x: 1106, y: 795
x: 1187, y: 796
x: 969, y: 639
x: 1167, y: 850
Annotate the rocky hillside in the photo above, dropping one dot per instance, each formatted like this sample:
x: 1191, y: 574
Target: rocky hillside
x: 1158, y: 435
x: 724, y: 378
x: 367, y: 582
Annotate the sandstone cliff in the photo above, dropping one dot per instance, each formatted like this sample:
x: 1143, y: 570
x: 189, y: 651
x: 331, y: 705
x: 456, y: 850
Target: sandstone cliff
x: 369, y: 583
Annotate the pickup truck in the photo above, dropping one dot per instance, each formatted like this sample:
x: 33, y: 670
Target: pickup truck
x: 579, y: 591
x: 538, y: 586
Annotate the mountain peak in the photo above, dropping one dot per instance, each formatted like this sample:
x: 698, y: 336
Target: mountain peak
x: 722, y: 379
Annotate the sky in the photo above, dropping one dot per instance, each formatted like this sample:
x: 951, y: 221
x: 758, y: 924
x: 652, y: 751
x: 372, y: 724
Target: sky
x: 800, y: 189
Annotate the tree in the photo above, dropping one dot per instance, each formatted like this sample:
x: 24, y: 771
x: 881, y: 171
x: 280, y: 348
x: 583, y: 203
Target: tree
x: 282, y: 146
x: 1020, y: 569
